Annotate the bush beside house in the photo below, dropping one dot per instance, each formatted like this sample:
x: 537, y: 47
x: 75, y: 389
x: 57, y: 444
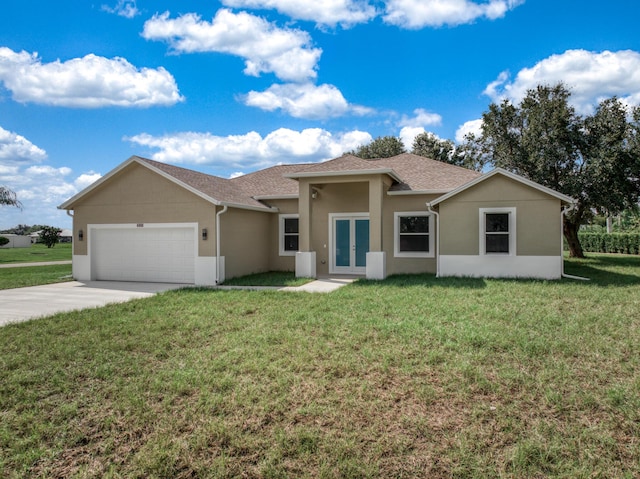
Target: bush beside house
x: 622, y: 243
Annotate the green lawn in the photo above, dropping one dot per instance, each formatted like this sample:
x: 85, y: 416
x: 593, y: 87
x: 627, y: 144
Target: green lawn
x: 411, y: 377
x: 36, y: 253
x: 34, y: 275
x: 272, y: 278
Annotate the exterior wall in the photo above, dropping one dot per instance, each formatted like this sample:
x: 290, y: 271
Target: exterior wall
x: 244, y: 241
x: 537, y: 218
x: 397, y: 203
x: 538, y: 229
x: 16, y: 241
x: 342, y: 197
x: 353, y: 195
x: 137, y: 195
x: 277, y: 262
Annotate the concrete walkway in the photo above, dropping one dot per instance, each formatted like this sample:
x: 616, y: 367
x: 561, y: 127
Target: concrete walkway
x: 23, y: 304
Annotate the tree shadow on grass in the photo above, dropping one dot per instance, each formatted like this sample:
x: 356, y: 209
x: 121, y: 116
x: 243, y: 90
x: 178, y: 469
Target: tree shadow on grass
x: 606, y: 270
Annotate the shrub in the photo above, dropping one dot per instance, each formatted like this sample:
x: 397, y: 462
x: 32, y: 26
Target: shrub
x: 3, y: 240
x: 621, y: 243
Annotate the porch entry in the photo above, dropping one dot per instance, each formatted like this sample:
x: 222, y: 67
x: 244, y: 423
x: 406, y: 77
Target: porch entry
x: 349, y: 233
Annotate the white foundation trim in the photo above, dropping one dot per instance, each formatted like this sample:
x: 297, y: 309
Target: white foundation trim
x: 306, y: 264
x: 81, y: 267
x: 205, y: 273
x: 376, y: 265
x: 496, y: 266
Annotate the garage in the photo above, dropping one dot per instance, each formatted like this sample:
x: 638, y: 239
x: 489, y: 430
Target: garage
x: 151, y: 253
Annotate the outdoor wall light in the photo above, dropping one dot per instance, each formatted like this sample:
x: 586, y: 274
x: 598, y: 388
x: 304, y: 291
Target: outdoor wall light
x: 205, y: 233
x: 314, y: 194
x: 80, y: 235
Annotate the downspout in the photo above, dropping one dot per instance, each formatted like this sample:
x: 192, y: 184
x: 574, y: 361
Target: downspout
x: 437, y: 238
x: 218, y: 214
x: 563, y: 213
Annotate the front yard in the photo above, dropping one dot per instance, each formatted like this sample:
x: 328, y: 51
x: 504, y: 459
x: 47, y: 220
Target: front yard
x: 411, y: 377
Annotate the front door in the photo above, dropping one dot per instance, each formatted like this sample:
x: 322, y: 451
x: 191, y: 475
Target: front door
x: 350, y: 243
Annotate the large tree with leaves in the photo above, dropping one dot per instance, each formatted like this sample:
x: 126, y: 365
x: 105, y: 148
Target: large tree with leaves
x: 381, y: 147
x: 594, y: 159
x: 430, y: 146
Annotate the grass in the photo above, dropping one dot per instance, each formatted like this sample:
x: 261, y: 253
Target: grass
x: 34, y: 275
x: 410, y: 377
x: 272, y: 278
x: 36, y: 253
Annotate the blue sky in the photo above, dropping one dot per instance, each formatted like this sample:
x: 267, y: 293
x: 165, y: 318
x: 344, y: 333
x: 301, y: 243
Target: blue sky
x: 232, y: 86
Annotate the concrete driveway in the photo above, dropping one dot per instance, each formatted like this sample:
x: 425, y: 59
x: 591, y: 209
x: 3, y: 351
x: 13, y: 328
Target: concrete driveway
x: 22, y: 304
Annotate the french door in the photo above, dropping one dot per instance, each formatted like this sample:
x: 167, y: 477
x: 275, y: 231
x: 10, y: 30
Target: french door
x: 350, y: 243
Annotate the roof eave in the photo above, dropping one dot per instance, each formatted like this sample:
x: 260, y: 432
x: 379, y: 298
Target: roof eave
x: 318, y: 174
x: 276, y: 197
x: 418, y: 192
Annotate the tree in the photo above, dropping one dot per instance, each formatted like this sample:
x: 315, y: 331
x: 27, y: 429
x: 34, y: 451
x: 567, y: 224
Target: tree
x: 595, y: 159
x: 430, y: 146
x: 381, y: 147
x: 50, y: 235
x: 9, y: 198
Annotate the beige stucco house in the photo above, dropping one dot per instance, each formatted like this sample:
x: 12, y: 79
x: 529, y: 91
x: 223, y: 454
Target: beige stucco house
x: 149, y: 221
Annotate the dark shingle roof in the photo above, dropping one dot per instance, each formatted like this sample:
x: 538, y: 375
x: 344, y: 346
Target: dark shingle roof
x: 424, y: 174
x: 219, y: 189
x: 270, y: 181
x: 410, y: 173
x: 416, y: 173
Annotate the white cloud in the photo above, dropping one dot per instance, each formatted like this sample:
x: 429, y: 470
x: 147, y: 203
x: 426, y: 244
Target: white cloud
x: 323, y: 12
x: 422, y: 118
x: 304, y: 101
x: 86, y: 179
x: 88, y: 82
x: 124, y: 8
x: 251, y: 151
x: 472, y: 126
x: 15, y: 148
x: 415, y: 14
x: 590, y: 76
x: 236, y: 174
x: 408, y: 134
x: 40, y: 189
x: 45, y: 170
x: 265, y: 48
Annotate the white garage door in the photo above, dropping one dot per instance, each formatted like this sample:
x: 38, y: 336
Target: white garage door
x: 158, y: 255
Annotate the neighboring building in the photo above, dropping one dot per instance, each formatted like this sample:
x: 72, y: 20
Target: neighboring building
x: 149, y: 221
x: 16, y: 241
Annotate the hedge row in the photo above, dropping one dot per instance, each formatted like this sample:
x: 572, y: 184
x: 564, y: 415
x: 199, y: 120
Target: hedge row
x: 625, y: 243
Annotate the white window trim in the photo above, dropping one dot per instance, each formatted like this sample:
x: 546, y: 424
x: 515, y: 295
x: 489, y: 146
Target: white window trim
x: 396, y: 235
x: 281, y: 233
x: 512, y: 230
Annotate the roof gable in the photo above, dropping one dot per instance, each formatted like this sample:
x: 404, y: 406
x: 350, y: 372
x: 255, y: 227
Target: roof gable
x: 216, y: 190
x: 499, y: 171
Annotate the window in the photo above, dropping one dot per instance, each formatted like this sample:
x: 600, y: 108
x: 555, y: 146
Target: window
x: 289, y: 235
x: 497, y: 231
x: 413, y: 233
